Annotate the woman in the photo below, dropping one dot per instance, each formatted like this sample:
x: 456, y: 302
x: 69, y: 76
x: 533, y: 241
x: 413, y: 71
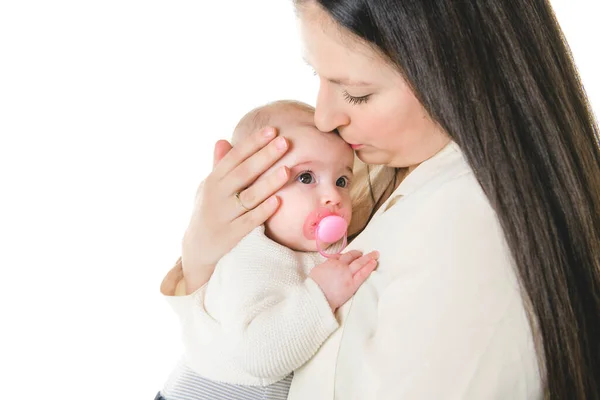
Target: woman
x: 487, y: 202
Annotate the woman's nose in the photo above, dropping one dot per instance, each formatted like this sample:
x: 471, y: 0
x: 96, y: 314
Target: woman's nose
x: 328, y: 114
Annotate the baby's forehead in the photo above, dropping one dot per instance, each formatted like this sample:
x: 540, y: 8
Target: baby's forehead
x: 307, y: 143
x: 302, y: 134
x: 295, y: 122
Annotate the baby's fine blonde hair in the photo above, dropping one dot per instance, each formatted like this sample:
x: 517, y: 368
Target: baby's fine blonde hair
x: 262, y: 116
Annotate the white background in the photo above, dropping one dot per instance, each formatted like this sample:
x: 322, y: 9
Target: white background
x: 108, y: 114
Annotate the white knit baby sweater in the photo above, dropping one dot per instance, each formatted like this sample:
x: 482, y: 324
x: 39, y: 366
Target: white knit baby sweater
x: 259, y: 317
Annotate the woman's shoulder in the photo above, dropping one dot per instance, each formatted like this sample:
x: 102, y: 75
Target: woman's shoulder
x: 447, y: 219
x: 456, y: 213
x: 462, y: 194
x: 447, y: 179
x: 444, y: 191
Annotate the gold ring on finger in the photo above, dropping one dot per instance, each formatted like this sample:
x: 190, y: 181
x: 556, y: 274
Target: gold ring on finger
x: 239, y: 201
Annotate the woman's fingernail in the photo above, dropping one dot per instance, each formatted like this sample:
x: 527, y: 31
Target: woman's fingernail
x: 272, y: 201
x: 269, y: 133
x: 280, y: 143
x: 375, y: 255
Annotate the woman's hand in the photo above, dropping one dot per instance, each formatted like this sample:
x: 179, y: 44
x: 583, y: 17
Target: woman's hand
x: 220, y: 219
x: 339, y: 278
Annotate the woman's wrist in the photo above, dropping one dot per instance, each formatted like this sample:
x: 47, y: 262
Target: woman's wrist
x: 196, y: 276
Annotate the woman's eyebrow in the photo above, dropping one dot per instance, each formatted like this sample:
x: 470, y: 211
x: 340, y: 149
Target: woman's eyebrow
x: 341, y: 81
x: 348, y: 82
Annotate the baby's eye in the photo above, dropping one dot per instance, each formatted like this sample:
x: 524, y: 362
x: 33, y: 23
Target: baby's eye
x: 306, y: 178
x: 342, y: 182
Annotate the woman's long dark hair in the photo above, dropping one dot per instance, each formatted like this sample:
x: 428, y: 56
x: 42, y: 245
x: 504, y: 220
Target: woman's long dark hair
x: 498, y: 76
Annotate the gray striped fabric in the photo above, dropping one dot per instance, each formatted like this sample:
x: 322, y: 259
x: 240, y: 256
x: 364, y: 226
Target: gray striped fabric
x: 185, y: 384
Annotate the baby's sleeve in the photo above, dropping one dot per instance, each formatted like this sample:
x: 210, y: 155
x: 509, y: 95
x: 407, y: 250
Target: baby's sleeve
x: 259, y: 313
x: 276, y: 334
x: 194, y: 318
x: 273, y: 318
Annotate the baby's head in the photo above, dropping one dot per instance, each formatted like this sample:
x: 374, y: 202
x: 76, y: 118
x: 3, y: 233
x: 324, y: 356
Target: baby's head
x: 320, y: 167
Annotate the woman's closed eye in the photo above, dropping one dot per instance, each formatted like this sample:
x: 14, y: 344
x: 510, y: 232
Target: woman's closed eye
x: 355, y: 99
x: 347, y: 96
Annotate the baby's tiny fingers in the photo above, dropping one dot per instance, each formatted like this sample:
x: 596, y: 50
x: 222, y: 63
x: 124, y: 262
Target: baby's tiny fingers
x: 362, y: 274
x: 359, y: 263
x: 350, y: 256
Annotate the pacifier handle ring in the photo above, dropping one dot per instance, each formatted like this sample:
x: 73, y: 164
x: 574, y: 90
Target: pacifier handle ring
x: 344, y: 243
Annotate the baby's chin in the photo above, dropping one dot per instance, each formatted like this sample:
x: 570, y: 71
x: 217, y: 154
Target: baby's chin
x: 303, y: 245
x: 311, y: 246
x: 293, y: 243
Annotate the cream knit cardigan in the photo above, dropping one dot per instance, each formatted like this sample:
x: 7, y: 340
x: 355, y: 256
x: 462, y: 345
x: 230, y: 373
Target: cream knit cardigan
x: 259, y: 317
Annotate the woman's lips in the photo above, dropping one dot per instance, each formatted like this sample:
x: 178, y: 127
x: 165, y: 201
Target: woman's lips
x: 356, y: 146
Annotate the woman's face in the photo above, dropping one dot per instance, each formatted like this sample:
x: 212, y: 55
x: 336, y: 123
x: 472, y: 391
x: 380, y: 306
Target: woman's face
x: 364, y: 97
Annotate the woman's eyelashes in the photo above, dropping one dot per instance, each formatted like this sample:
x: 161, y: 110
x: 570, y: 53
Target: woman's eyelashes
x: 347, y: 96
x: 354, y: 99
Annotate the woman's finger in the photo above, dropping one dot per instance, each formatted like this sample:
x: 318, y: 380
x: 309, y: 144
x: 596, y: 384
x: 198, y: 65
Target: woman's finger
x: 264, y: 188
x: 361, y: 262
x: 222, y: 147
x: 199, y: 191
x: 243, y: 150
x: 349, y: 257
x: 253, y: 218
x: 253, y: 167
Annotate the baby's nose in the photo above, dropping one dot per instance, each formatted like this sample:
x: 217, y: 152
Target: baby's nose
x: 332, y: 198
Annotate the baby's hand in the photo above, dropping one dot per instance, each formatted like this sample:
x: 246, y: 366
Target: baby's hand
x: 339, y: 278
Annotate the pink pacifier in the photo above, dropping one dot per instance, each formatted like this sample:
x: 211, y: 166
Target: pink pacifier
x: 325, y: 226
x: 330, y: 230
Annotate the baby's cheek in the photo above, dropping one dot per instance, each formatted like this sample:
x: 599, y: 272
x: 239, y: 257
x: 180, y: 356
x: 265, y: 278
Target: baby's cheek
x: 348, y: 212
x: 279, y: 224
x: 273, y: 230
x: 273, y: 224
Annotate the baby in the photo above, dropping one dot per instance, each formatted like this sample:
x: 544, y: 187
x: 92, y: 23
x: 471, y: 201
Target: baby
x: 265, y: 310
